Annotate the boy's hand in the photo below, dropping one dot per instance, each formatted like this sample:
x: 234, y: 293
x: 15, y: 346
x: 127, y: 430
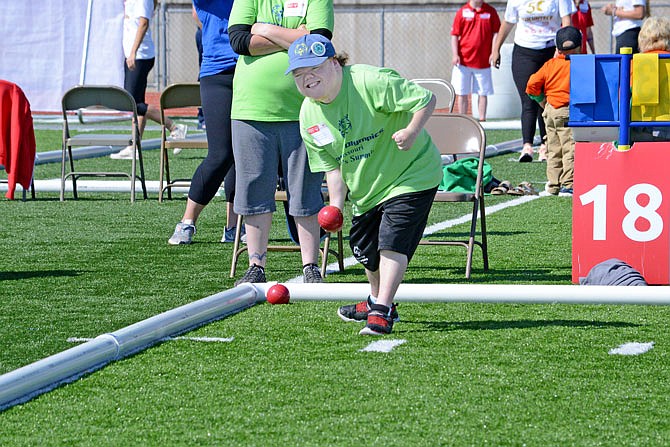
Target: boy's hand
x: 404, y: 138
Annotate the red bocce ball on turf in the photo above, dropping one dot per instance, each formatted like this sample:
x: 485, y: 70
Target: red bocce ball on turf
x: 278, y: 294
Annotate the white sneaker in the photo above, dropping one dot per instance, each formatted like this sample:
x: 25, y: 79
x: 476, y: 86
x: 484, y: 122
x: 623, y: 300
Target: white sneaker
x: 124, y: 154
x: 178, y: 133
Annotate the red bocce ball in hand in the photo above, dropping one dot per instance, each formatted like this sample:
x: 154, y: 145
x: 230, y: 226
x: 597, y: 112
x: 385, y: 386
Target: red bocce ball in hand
x: 331, y: 218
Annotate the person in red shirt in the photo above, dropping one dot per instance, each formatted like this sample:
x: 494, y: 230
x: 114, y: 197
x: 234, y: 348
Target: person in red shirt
x: 583, y: 21
x: 475, y: 27
x: 550, y: 86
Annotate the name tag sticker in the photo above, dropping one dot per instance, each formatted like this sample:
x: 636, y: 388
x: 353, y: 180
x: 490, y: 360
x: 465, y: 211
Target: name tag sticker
x: 295, y: 8
x: 321, y: 134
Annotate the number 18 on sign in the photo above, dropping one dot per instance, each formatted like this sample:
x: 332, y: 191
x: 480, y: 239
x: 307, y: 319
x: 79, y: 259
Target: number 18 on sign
x: 620, y: 208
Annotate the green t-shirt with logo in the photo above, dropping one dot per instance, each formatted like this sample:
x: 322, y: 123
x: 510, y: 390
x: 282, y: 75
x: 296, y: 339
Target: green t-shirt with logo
x: 261, y: 90
x: 354, y: 133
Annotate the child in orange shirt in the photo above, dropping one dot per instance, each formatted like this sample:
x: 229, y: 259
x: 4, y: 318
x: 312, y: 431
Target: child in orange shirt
x: 550, y: 86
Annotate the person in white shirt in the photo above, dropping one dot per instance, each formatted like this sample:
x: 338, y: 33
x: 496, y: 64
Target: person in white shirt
x: 536, y: 24
x: 140, y: 54
x: 628, y: 16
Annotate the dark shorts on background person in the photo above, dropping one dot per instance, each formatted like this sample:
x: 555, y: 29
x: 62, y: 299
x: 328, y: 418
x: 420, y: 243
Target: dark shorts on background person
x: 628, y: 39
x: 259, y: 149
x: 135, y: 82
x: 396, y: 225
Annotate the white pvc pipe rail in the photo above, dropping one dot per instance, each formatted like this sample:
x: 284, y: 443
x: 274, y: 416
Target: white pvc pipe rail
x: 29, y: 381
x: 23, y: 384
x: 484, y: 293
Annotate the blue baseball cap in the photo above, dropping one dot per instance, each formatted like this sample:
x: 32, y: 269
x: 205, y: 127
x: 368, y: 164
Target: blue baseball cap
x: 309, y: 50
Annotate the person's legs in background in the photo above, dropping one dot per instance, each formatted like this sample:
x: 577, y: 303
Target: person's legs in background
x: 259, y: 148
x: 305, y: 199
x: 483, y: 86
x: 554, y: 159
x: 461, y: 80
x: 135, y: 83
x: 256, y: 150
x: 525, y: 62
x: 567, y: 142
x: 217, y: 94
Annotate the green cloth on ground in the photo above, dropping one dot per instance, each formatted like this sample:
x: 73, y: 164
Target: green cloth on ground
x: 461, y: 175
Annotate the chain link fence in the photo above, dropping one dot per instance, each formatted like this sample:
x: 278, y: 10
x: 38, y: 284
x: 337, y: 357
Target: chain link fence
x: 415, y: 40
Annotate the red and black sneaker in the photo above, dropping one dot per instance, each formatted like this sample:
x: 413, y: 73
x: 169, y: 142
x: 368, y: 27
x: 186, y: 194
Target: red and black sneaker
x: 359, y: 311
x: 380, y: 322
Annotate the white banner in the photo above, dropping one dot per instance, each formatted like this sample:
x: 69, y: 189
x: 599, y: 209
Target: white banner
x: 48, y: 46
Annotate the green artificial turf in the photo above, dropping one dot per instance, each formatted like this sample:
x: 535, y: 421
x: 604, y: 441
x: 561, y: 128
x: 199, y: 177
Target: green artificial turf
x: 467, y: 374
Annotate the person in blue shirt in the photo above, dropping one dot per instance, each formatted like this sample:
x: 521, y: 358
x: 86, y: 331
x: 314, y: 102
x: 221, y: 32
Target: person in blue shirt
x: 216, y: 90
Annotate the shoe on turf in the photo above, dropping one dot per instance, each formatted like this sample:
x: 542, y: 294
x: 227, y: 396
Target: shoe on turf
x: 229, y: 235
x: 255, y: 273
x: 565, y: 192
x: 183, y: 234
x: 379, y: 321
x: 526, y: 155
x: 311, y: 274
x: 549, y: 190
x: 359, y: 311
x: 124, y: 154
x: 178, y: 133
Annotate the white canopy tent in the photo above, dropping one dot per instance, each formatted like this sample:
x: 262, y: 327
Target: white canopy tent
x: 49, y: 46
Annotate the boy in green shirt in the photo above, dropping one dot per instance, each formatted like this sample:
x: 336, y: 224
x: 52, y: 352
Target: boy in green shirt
x: 363, y: 126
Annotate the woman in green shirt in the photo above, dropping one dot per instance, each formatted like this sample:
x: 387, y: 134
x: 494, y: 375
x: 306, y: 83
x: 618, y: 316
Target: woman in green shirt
x: 265, y: 131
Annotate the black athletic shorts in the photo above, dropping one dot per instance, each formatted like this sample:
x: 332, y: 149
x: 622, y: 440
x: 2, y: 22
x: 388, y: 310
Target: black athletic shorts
x: 395, y: 225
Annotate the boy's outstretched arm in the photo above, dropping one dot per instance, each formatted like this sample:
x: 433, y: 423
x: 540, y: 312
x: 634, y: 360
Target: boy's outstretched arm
x: 337, y: 189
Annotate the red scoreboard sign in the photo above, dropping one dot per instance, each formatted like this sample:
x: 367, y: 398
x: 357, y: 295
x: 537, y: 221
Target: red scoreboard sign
x: 621, y: 208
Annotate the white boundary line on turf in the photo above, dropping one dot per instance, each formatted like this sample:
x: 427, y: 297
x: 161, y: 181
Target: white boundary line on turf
x: 382, y: 345
x: 632, y: 348
x: 348, y: 262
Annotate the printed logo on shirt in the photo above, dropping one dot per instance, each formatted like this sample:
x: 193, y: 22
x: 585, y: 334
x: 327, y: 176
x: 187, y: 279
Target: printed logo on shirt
x: 277, y: 14
x: 344, y: 125
x: 535, y: 7
x: 468, y: 14
x: 360, y: 149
